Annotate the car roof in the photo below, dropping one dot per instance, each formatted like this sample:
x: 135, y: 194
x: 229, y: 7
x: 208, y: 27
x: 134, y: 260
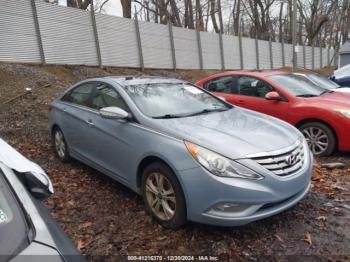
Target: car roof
x: 256, y: 73
x: 141, y: 80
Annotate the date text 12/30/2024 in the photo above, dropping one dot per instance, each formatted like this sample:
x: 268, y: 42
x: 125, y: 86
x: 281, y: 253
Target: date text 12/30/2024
x: 172, y: 258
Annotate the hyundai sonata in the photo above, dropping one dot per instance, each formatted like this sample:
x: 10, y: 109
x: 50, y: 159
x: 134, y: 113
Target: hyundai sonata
x: 189, y: 154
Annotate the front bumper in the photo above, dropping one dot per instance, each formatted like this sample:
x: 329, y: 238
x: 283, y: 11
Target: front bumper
x: 259, y: 198
x: 342, y: 131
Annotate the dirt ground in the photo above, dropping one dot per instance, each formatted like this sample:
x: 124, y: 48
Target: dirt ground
x: 107, y: 221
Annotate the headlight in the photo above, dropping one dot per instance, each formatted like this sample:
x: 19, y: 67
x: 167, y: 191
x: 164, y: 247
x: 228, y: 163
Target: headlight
x: 219, y: 165
x: 344, y: 112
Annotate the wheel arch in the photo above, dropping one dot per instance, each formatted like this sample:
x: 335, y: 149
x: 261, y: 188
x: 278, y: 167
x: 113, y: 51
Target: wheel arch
x: 146, y: 161
x: 310, y: 120
x: 53, y: 127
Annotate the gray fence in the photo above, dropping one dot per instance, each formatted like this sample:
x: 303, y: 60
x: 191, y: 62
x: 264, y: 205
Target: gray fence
x: 38, y: 32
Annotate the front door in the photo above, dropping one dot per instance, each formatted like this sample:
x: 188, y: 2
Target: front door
x: 110, y: 144
x: 252, y: 92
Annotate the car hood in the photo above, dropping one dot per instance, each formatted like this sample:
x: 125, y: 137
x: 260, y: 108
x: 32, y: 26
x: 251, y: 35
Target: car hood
x: 235, y: 133
x: 14, y: 160
x: 342, y: 89
x: 331, y: 100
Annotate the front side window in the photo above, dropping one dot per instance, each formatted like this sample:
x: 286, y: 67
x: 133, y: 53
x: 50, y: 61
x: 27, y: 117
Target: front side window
x: 251, y: 86
x: 80, y: 95
x: 106, y: 96
x: 222, y: 85
x: 13, y: 226
x: 167, y: 100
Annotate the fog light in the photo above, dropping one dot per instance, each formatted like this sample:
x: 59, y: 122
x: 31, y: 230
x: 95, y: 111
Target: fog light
x: 233, y: 209
x: 230, y: 207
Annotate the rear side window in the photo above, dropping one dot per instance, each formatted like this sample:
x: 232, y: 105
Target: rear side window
x: 222, y: 85
x: 80, y: 95
x: 106, y: 96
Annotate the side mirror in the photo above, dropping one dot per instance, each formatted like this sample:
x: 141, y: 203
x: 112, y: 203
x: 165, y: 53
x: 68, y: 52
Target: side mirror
x: 222, y: 98
x: 273, y: 96
x: 113, y: 112
x: 38, y: 185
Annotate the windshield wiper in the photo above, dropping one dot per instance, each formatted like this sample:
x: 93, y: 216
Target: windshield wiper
x: 167, y: 116
x: 326, y: 92
x: 306, y: 95
x: 206, y: 111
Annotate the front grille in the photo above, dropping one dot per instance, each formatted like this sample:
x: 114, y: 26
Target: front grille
x: 284, y: 163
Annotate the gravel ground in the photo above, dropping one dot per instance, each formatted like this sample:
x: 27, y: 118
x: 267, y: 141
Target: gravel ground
x: 107, y: 221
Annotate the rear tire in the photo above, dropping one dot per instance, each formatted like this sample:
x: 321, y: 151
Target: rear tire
x: 320, y: 138
x: 163, y: 196
x: 60, y: 145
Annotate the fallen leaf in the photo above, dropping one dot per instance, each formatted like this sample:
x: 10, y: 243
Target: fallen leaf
x: 308, y: 238
x: 80, y: 244
x: 161, y: 238
x: 85, y: 225
x: 279, y: 238
x: 72, y: 172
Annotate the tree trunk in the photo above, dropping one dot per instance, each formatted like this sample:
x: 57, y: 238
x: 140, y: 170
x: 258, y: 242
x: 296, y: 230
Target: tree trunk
x: 163, y: 12
x: 175, y: 13
x: 281, y: 22
x: 126, y: 5
x: 237, y: 17
x: 213, y: 15
x: 199, y: 16
x: 300, y: 33
x: 220, y: 17
x: 190, y: 15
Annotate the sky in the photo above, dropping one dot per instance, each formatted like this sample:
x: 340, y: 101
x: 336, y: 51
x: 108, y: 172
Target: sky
x: 113, y: 7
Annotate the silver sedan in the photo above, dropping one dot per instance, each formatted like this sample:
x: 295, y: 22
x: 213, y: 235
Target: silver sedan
x: 191, y: 155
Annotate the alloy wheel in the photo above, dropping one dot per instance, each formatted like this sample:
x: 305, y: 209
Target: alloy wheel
x: 317, y: 139
x: 60, y: 144
x: 160, y: 196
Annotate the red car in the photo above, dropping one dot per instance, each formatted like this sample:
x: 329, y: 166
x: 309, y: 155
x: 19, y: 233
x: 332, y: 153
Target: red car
x: 323, y: 116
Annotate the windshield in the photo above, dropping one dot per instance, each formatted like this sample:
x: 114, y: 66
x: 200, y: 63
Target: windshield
x: 342, y: 72
x: 13, y: 229
x: 323, y: 81
x: 168, y: 100
x: 298, y: 85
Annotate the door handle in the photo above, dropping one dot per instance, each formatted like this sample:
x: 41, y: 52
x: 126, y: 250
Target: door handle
x: 89, y: 122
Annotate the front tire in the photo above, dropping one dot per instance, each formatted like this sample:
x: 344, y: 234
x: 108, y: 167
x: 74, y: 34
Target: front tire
x: 320, y: 138
x: 163, y: 196
x: 60, y: 145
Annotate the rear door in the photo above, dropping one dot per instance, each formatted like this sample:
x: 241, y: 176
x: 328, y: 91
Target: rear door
x: 225, y: 86
x: 75, y: 108
x: 252, y: 92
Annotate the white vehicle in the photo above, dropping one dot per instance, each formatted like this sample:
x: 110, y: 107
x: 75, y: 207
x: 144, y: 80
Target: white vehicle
x: 28, y: 233
x: 342, y: 72
x: 323, y: 82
